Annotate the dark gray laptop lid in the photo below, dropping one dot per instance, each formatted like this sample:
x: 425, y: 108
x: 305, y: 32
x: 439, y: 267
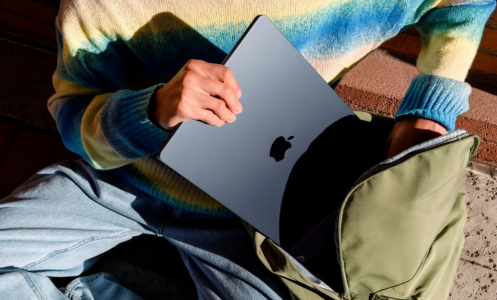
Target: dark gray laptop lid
x: 283, y: 98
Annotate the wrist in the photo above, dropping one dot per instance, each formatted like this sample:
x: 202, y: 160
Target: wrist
x: 154, y: 109
x: 416, y: 122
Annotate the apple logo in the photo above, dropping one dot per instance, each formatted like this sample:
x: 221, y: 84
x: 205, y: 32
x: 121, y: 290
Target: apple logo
x: 279, y: 147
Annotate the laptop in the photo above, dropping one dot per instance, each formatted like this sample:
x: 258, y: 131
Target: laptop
x: 246, y: 165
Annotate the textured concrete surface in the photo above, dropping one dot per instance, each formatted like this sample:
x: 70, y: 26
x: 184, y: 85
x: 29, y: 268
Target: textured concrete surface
x: 477, y: 272
x: 474, y: 282
x: 481, y: 226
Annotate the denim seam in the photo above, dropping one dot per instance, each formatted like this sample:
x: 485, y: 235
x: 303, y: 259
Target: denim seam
x: 166, y: 215
x: 159, y: 228
x: 69, y: 293
x: 78, y: 245
x: 32, y: 285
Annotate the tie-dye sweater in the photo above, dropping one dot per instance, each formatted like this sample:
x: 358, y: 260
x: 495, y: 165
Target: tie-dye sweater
x: 113, y: 56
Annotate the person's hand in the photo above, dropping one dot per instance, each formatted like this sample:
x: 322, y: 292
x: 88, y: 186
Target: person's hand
x: 199, y: 91
x: 411, y: 131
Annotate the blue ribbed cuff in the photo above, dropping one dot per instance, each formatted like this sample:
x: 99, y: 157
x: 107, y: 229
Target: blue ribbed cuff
x: 126, y: 125
x: 436, y: 98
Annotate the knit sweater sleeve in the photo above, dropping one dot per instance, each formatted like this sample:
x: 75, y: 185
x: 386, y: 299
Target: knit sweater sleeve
x: 101, y: 101
x: 450, y: 33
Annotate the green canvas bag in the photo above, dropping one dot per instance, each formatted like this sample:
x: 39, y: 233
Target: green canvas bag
x: 399, y: 227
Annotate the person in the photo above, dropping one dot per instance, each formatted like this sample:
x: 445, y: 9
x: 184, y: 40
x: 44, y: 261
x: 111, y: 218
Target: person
x: 129, y: 72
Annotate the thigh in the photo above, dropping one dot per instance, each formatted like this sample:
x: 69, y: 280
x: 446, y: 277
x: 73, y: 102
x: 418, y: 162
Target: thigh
x: 221, y: 259
x: 60, y: 220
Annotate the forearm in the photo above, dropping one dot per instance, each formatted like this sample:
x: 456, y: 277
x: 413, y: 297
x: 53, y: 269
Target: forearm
x: 450, y: 36
x: 108, y: 130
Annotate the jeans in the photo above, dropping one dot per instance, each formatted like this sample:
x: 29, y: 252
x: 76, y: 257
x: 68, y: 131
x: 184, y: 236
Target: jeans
x: 59, y: 222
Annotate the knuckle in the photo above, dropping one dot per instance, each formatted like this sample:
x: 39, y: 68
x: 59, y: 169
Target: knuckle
x: 220, y: 106
x: 189, y: 77
x: 226, y: 74
x: 227, y: 91
x: 182, y: 107
x: 192, y: 64
x: 211, y: 117
x: 184, y: 93
x: 188, y: 64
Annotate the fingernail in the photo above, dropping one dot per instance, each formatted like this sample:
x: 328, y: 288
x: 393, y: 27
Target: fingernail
x: 232, y: 118
x: 239, y: 94
x: 239, y: 109
x: 221, y: 123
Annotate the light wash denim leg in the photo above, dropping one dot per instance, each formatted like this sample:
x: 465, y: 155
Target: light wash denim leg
x: 62, y: 219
